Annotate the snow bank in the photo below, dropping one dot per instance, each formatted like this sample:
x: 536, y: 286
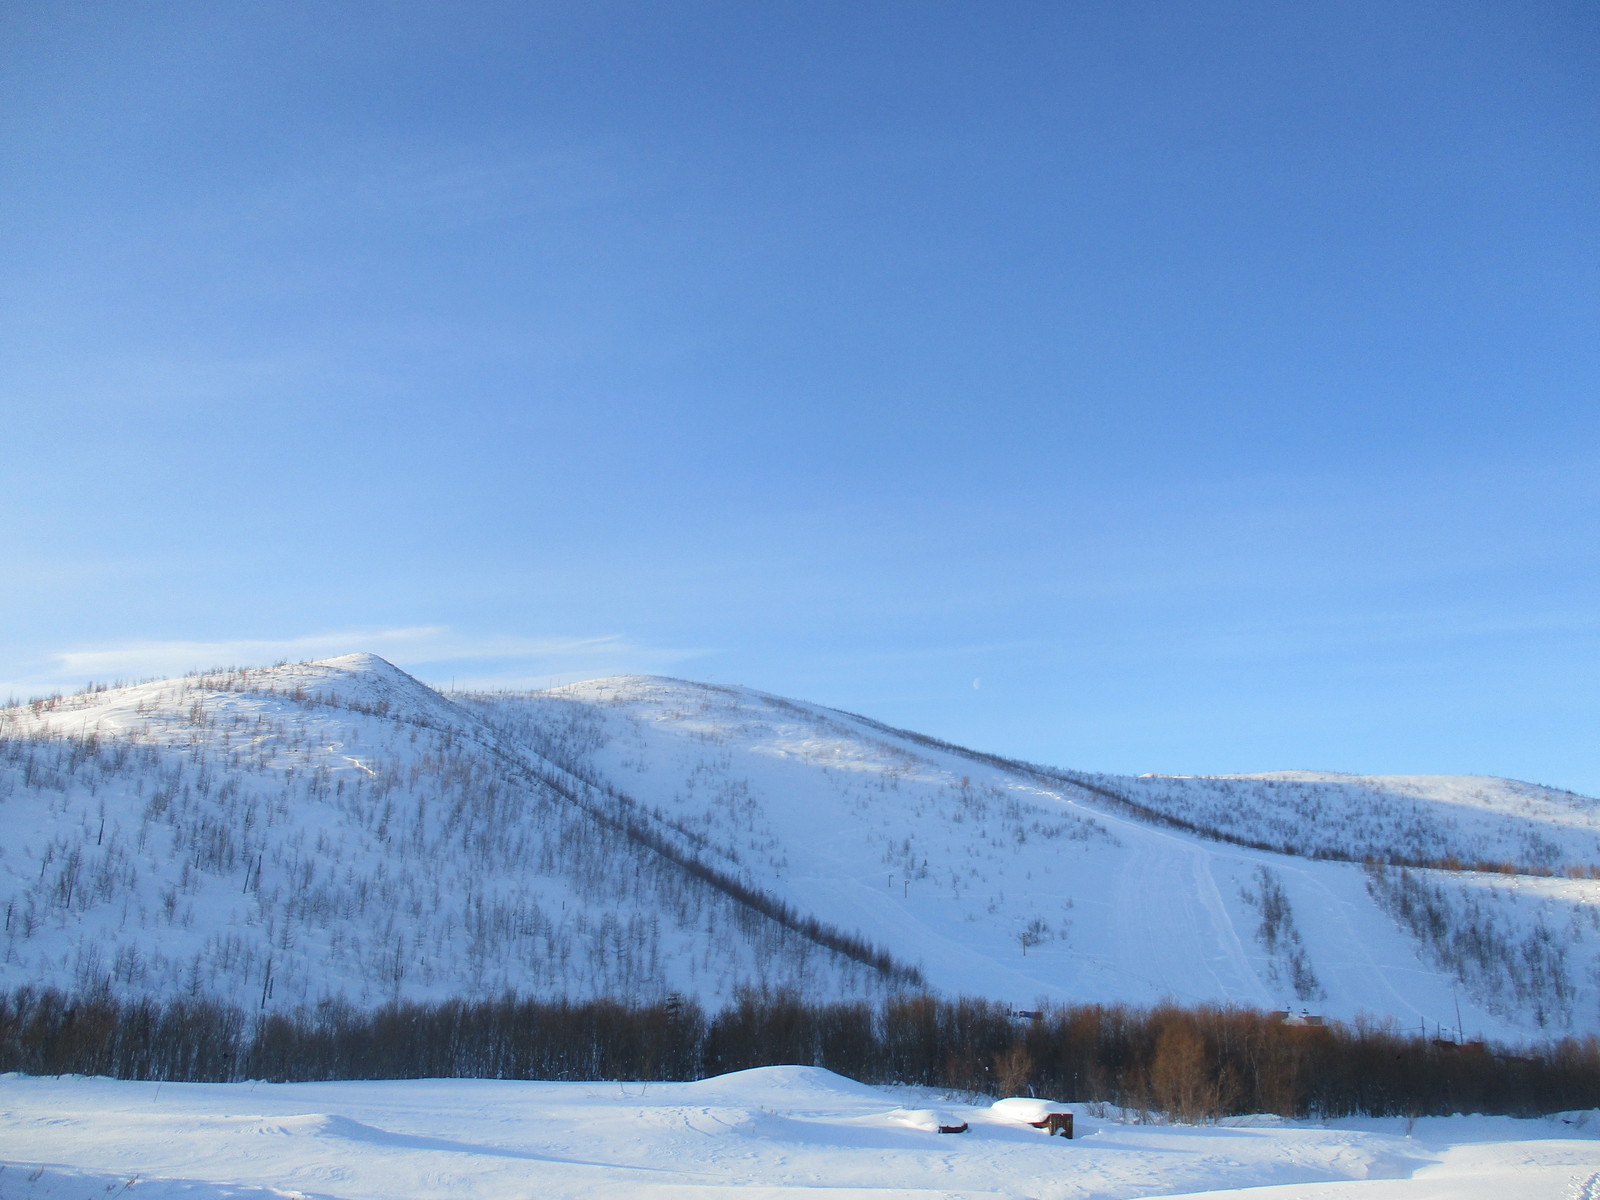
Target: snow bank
x: 929, y: 1120
x: 1025, y: 1109
x: 782, y: 1084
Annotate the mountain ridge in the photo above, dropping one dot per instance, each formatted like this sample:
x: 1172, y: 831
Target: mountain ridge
x: 339, y: 830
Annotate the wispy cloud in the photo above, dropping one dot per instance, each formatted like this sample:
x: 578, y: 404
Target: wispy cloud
x: 175, y: 657
x: 436, y: 652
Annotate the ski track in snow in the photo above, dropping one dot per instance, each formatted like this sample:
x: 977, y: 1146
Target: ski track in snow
x: 1185, y: 931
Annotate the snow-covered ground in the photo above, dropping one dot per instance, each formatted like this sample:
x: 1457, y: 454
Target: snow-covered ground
x: 774, y: 1132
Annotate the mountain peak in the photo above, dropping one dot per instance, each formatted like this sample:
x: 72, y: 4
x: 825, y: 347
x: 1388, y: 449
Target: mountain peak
x: 361, y: 660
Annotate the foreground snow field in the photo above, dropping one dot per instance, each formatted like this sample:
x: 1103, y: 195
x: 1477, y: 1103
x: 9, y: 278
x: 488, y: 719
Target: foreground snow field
x: 772, y: 1132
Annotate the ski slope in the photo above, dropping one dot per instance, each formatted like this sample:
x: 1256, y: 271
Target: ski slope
x: 951, y: 858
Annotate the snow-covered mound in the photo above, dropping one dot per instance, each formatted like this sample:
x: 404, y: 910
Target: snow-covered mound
x: 1025, y: 1110
x: 928, y: 1120
x: 783, y: 1086
x: 337, y: 829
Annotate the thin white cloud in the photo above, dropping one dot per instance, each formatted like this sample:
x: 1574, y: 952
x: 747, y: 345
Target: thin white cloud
x: 173, y: 658
x: 472, y: 660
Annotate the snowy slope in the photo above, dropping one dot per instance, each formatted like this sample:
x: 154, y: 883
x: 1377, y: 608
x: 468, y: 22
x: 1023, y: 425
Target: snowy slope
x: 956, y: 860
x: 338, y: 829
x: 1462, y: 820
x: 775, y: 1133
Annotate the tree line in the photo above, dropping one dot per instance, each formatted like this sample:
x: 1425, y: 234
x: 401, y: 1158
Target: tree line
x: 1189, y: 1064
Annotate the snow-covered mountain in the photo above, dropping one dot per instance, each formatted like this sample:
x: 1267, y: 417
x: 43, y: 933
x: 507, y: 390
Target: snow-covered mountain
x: 337, y: 829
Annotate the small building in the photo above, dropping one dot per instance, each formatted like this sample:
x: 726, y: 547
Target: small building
x: 1304, y: 1019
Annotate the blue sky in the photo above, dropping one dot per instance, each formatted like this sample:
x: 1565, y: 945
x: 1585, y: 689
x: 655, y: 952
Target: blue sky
x: 1131, y: 386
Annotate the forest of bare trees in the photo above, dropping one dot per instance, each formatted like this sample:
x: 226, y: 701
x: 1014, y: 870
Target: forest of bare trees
x: 1163, y: 1063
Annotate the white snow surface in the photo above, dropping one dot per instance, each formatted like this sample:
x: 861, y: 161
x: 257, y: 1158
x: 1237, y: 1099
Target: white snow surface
x: 952, y: 859
x: 275, y: 836
x: 777, y: 1133
x: 1027, y: 1110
